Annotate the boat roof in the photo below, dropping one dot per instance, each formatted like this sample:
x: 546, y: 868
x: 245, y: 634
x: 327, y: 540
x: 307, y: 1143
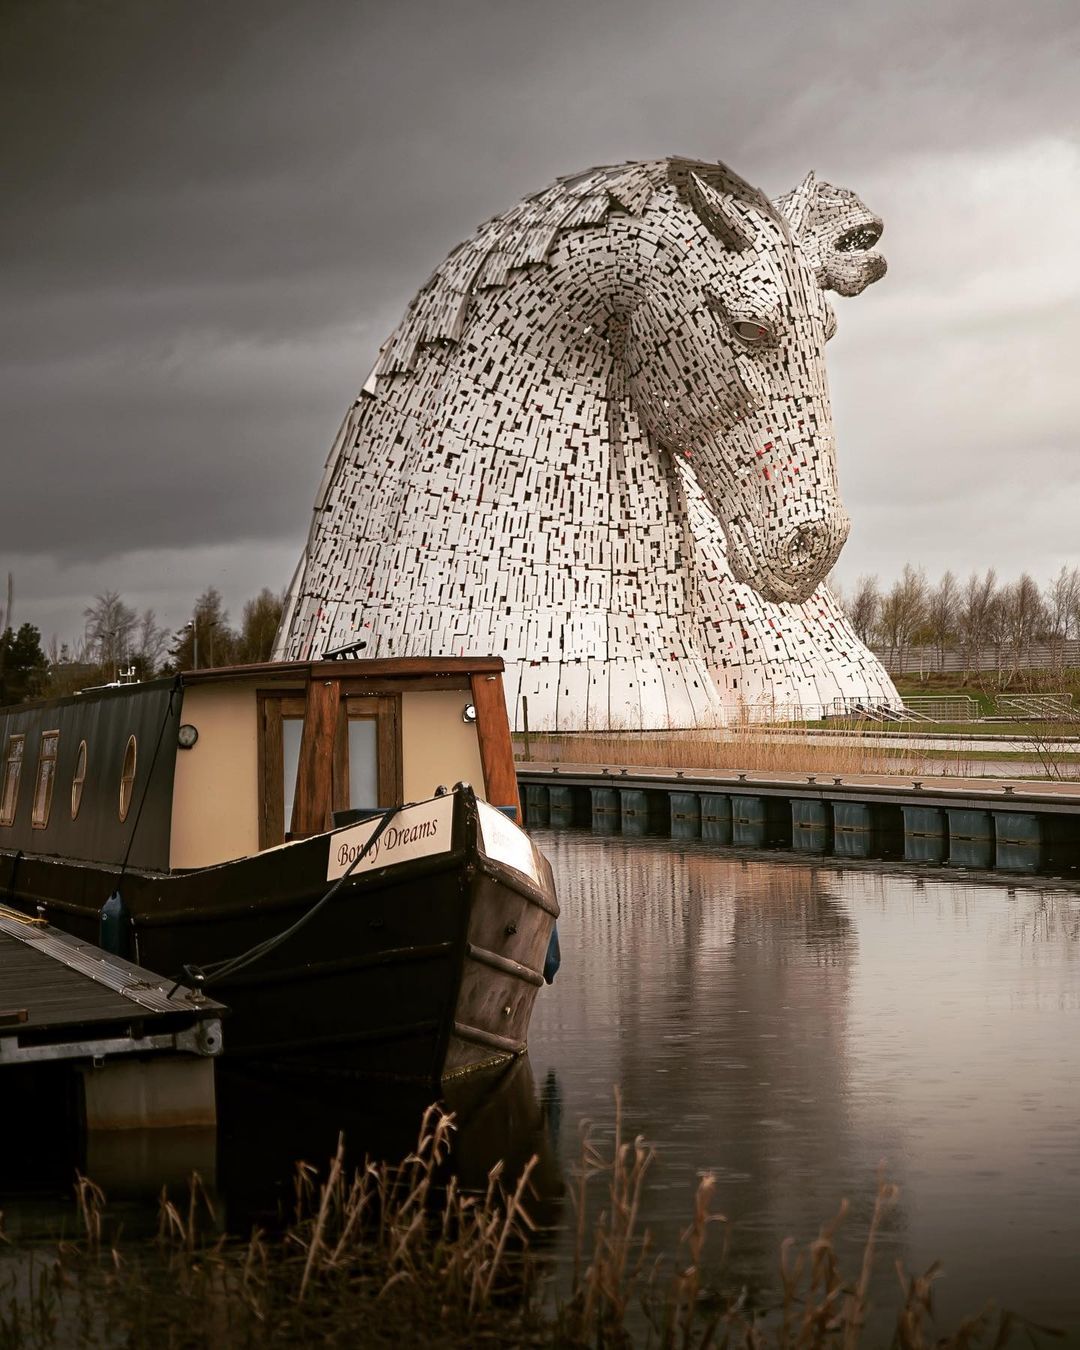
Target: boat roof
x: 404, y: 667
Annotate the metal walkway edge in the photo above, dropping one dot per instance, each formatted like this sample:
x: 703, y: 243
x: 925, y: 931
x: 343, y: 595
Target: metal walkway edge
x: 145, y: 1055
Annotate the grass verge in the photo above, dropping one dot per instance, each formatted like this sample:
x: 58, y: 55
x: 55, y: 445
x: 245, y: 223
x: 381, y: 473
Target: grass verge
x: 739, y: 747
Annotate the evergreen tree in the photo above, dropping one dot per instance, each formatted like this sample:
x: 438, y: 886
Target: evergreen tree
x: 24, y: 667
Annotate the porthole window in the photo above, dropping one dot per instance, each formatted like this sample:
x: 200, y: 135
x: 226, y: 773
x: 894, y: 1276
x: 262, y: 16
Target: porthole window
x: 78, y: 778
x: 9, y: 798
x: 46, y: 778
x: 127, y: 778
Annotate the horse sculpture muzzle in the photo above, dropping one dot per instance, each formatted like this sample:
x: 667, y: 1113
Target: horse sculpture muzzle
x: 785, y: 561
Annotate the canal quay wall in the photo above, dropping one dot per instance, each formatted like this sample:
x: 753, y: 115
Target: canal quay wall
x: 1020, y: 827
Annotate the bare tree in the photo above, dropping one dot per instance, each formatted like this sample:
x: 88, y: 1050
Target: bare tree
x: 150, y: 644
x: 942, y: 613
x: 864, y: 608
x: 207, y: 633
x: 259, y: 626
x: 110, y: 630
x: 1062, y: 599
x: 1021, y: 619
x: 903, y: 614
x: 975, y: 616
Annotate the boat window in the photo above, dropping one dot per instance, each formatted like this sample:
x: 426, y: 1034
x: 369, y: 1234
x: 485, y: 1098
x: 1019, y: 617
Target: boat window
x: 9, y: 798
x: 78, y: 779
x: 292, y: 730
x: 46, y: 777
x: 364, y: 762
x: 127, y: 778
x: 365, y: 756
x: 281, y: 727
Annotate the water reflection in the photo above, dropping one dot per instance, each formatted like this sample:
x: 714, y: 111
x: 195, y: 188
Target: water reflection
x: 789, y: 1024
x: 266, y: 1125
x: 786, y: 1024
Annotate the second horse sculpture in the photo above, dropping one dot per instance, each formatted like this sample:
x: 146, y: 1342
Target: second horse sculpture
x: 600, y: 445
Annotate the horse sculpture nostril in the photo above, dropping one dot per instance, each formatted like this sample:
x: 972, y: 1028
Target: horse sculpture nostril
x: 805, y: 548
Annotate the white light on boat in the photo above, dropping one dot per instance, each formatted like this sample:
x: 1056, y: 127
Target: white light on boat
x: 187, y: 736
x: 469, y: 713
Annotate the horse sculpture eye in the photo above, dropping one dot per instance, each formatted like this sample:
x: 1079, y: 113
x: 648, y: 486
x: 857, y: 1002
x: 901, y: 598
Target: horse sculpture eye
x: 752, y: 332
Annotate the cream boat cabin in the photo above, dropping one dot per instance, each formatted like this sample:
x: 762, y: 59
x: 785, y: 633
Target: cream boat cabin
x: 321, y: 840
x: 249, y: 781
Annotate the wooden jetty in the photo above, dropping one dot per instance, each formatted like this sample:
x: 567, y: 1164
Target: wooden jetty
x: 1022, y: 827
x: 142, y: 1053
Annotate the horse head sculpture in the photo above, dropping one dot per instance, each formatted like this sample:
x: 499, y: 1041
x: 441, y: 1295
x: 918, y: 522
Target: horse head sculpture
x: 617, y: 359
x: 725, y: 332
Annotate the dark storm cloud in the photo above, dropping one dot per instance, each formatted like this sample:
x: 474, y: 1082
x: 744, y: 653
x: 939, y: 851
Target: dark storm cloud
x: 215, y: 212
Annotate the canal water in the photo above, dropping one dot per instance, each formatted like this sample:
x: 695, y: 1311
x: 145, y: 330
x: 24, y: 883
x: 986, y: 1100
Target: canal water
x: 793, y: 1026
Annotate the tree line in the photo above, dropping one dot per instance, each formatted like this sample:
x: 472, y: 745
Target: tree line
x: 969, y: 617
x: 118, y: 642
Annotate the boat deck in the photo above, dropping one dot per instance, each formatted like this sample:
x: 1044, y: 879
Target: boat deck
x: 62, y: 999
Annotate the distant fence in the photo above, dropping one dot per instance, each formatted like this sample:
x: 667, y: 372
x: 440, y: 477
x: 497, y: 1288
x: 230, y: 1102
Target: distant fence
x: 1060, y: 655
x: 944, y: 707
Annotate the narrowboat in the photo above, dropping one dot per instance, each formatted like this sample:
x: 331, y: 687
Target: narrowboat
x: 330, y: 848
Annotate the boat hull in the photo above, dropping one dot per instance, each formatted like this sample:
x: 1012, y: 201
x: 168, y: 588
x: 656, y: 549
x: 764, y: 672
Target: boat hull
x: 420, y: 970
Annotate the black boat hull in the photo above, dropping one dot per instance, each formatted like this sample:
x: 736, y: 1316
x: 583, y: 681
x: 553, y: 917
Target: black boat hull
x: 417, y: 971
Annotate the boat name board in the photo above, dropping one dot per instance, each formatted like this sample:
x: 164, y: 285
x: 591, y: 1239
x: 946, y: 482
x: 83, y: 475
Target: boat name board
x: 504, y: 842
x: 415, y: 832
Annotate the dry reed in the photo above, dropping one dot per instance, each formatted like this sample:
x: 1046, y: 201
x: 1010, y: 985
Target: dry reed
x: 741, y: 747
x: 386, y: 1255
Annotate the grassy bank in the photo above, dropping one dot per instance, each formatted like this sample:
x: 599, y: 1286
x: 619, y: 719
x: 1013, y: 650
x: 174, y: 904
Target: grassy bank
x: 754, y: 748
x: 735, y: 748
x: 382, y: 1255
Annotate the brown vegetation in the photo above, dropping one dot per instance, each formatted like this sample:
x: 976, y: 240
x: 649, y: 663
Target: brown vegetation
x: 386, y: 1256
x: 746, y: 746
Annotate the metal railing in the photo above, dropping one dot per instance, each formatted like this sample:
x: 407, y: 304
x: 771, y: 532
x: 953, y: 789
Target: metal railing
x: 1041, y: 707
x: 1057, y: 654
x: 943, y: 707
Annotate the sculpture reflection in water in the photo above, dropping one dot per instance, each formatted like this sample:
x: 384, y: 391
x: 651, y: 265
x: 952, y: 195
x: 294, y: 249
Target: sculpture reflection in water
x: 717, y: 997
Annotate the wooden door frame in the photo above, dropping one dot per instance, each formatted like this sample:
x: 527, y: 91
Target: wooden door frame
x: 385, y: 711
x: 323, y: 794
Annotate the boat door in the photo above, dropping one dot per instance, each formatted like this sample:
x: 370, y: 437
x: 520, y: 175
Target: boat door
x: 328, y: 749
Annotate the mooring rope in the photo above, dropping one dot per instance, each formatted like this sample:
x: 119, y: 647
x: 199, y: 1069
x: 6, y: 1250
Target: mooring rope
x: 203, y: 976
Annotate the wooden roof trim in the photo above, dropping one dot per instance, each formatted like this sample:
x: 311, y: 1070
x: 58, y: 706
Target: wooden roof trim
x: 379, y: 667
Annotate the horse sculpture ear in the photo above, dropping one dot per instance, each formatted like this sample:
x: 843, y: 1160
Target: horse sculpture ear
x: 720, y: 213
x: 798, y: 206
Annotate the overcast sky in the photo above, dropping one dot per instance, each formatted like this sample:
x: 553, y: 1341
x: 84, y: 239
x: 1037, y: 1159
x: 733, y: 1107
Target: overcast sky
x: 215, y: 210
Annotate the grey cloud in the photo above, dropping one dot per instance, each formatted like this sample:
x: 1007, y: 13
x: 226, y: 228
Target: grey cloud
x: 215, y: 212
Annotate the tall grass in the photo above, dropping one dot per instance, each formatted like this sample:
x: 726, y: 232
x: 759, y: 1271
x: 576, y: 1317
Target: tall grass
x: 741, y: 747
x: 385, y: 1255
